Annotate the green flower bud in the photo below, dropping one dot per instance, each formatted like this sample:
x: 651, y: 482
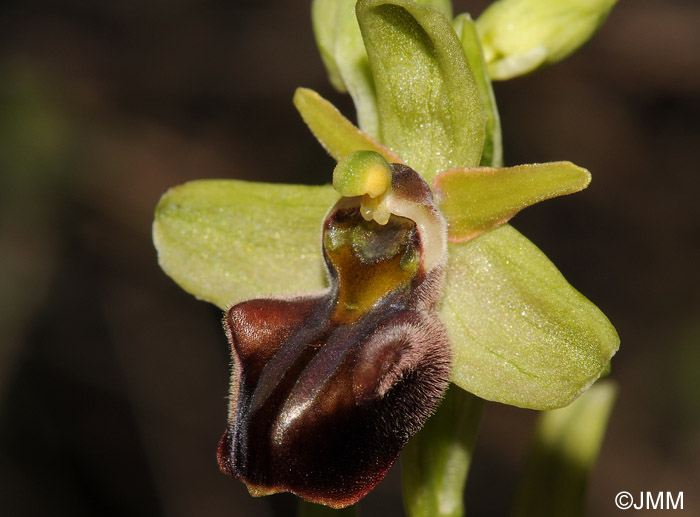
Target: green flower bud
x: 519, y: 36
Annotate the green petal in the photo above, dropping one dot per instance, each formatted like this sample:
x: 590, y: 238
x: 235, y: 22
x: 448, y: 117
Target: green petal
x: 435, y: 462
x: 430, y: 110
x: 342, y: 51
x: 465, y: 27
x: 520, y: 333
x: 562, y: 454
x: 474, y: 201
x: 336, y: 134
x: 226, y: 241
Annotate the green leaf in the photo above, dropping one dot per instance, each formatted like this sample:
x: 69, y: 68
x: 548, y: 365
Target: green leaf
x: 474, y: 201
x: 226, y: 241
x: 338, y: 136
x: 562, y: 454
x: 430, y: 110
x: 519, y: 36
x: 520, y: 333
x: 465, y: 28
x: 436, y: 461
x: 342, y: 51
x: 305, y: 509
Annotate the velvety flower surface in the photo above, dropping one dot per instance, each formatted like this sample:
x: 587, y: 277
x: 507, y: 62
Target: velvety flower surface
x: 327, y: 388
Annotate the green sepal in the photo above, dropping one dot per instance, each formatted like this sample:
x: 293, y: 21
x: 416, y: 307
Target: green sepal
x: 225, y: 241
x: 343, y: 53
x: 465, y: 28
x: 430, y: 109
x: 520, y: 333
x: 435, y: 462
x: 338, y: 136
x: 474, y: 201
x: 562, y: 453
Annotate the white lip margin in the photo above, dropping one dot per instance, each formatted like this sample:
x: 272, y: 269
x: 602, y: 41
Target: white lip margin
x: 431, y: 226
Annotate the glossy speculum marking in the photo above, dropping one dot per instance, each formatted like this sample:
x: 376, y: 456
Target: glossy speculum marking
x: 328, y: 388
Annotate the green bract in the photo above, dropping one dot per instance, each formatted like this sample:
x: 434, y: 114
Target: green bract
x: 520, y: 333
x: 519, y: 36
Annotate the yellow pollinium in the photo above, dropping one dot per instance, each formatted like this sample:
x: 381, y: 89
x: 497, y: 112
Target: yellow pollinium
x: 376, y: 181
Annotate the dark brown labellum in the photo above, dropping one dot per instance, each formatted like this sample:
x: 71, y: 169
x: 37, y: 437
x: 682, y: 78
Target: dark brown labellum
x: 328, y: 388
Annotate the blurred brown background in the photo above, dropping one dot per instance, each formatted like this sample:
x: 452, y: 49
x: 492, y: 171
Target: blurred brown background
x: 113, y: 381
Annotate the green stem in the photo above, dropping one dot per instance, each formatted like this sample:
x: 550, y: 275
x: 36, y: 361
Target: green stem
x: 436, y: 461
x: 564, y: 448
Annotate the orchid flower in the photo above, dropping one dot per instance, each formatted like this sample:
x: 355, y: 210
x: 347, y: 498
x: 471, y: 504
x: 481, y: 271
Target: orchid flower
x: 350, y: 307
